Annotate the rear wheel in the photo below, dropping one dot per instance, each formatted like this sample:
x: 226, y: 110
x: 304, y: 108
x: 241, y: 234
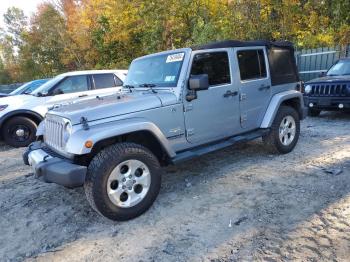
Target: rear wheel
x: 19, y: 131
x: 123, y: 181
x: 285, y: 130
x: 314, y: 112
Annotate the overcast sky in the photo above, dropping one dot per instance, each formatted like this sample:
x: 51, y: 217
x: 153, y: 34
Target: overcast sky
x: 28, y: 6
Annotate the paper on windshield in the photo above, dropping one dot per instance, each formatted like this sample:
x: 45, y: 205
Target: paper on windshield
x: 175, y: 58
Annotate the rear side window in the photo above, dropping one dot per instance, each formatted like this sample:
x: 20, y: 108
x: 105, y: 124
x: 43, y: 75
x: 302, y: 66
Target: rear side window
x: 215, y: 65
x: 251, y: 64
x: 104, y: 81
x: 283, y: 65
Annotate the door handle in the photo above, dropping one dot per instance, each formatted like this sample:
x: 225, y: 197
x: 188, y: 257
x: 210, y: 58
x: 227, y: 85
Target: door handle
x: 230, y: 93
x: 83, y: 95
x: 261, y: 88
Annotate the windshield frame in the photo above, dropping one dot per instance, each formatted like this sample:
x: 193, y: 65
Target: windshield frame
x: 340, y: 60
x: 180, y: 75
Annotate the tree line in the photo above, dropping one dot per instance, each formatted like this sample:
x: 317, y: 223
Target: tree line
x: 66, y: 35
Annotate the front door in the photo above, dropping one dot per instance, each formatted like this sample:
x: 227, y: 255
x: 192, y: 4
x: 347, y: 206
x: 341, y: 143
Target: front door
x: 69, y: 89
x: 254, y: 85
x: 214, y: 114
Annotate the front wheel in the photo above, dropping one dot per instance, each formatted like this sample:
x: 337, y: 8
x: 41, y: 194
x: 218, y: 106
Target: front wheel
x: 123, y: 181
x: 285, y: 130
x: 19, y: 131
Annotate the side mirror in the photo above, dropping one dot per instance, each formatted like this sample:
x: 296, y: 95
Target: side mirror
x: 198, y: 82
x: 322, y: 74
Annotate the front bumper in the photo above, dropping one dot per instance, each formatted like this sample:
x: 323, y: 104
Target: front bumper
x: 327, y: 103
x: 52, y: 169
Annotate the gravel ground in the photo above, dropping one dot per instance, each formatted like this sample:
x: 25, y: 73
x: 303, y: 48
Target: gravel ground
x: 240, y: 203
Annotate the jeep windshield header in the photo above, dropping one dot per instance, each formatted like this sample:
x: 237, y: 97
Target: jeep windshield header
x: 159, y: 70
x: 341, y: 68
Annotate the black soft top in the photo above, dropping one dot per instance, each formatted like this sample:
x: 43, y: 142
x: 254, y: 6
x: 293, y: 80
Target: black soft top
x: 236, y: 43
x: 283, y: 68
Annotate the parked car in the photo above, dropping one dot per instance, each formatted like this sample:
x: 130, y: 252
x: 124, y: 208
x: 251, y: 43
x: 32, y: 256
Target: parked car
x: 176, y: 105
x: 26, y: 88
x: 329, y: 92
x: 21, y: 114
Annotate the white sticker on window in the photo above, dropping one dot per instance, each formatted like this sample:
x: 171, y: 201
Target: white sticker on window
x: 169, y: 78
x: 175, y: 58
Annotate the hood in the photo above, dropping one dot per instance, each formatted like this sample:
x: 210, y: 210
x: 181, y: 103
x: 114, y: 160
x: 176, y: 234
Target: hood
x: 101, y: 107
x: 16, y: 101
x: 329, y: 79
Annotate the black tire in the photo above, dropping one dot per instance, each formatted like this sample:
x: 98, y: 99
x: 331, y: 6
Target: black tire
x: 314, y: 112
x: 10, y: 128
x: 272, y: 139
x: 101, y: 167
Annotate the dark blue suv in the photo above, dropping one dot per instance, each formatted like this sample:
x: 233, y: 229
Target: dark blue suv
x: 329, y: 92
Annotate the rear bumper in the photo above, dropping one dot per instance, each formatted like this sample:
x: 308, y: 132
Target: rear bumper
x: 327, y: 103
x: 53, y: 169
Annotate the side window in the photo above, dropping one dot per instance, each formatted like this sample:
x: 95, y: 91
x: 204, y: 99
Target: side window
x: 118, y: 82
x: 72, y: 84
x: 104, y: 81
x: 215, y: 64
x: 251, y: 64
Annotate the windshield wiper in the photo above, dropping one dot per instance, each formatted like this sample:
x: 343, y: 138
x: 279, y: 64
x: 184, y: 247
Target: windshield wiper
x: 150, y: 86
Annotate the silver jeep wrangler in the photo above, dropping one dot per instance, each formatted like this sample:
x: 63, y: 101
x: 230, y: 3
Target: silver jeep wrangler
x: 174, y: 106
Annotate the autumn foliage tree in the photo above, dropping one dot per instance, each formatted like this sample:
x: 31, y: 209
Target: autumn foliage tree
x: 66, y: 35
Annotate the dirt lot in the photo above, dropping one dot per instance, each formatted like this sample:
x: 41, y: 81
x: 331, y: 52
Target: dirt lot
x: 237, y: 204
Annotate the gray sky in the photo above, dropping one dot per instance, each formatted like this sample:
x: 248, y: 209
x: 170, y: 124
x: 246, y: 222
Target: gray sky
x: 28, y: 6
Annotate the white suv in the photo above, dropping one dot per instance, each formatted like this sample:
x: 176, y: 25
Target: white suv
x: 20, y: 115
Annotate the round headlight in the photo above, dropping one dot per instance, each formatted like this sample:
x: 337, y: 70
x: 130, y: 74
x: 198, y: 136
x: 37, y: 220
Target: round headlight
x: 67, y: 131
x: 68, y: 128
x: 308, y: 89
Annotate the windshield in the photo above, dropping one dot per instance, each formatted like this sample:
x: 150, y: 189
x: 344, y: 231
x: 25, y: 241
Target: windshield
x: 44, y: 89
x: 340, y: 69
x: 158, y: 71
x: 20, y: 89
x: 29, y: 87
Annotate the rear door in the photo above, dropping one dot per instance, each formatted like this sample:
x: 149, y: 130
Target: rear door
x: 253, y: 79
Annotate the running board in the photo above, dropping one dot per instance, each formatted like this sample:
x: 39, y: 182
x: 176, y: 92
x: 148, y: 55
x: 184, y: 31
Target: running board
x: 208, y: 148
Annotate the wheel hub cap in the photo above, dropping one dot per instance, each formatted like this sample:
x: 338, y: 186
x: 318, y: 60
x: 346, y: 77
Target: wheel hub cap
x: 20, y: 132
x: 128, y: 183
x: 287, y: 130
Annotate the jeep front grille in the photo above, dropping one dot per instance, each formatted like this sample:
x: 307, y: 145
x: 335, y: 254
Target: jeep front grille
x: 328, y: 90
x: 54, y: 132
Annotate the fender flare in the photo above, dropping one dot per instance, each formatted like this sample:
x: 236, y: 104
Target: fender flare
x: 275, y: 104
x: 20, y: 112
x: 76, y: 143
